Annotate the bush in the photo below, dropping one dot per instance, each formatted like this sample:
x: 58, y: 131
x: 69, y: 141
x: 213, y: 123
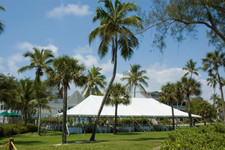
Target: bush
x: 32, y: 127
x: 13, y: 129
x: 1, y: 132
x: 204, y: 137
x: 165, y: 121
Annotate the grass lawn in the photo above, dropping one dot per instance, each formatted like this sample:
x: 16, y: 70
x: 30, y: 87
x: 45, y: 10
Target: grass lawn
x: 105, y: 141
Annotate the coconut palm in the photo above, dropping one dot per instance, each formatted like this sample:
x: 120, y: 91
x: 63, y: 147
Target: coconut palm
x: 40, y: 60
x: 95, y: 80
x: 212, y: 81
x: 190, y: 67
x: 27, y: 96
x: 190, y: 87
x: 171, y: 93
x: 211, y: 64
x: 66, y: 70
x: 135, y: 78
x: 1, y: 24
x: 113, y: 32
x: 117, y: 95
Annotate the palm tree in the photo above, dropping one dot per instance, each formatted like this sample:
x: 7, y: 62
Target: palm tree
x: 113, y: 32
x: 40, y: 61
x: 66, y: 70
x: 117, y: 95
x: 190, y: 87
x: 135, y: 78
x: 27, y: 96
x: 190, y: 67
x: 95, y: 79
x: 217, y: 104
x: 212, y: 63
x: 9, y: 89
x: 171, y: 93
x: 212, y: 81
x: 1, y: 24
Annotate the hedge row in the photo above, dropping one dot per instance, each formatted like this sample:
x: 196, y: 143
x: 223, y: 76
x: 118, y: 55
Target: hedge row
x: 13, y: 129
x: 209, y: 137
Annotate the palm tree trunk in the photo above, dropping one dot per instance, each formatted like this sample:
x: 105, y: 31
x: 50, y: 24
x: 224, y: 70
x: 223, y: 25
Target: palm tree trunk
x: 221, y: 93
x: 134, y: 91
x: 171, y: 104
x: 106, y: 94
x: 25, y: 116
x: 64, y: 114
x: 115, y: 123
x: 39, y: 114
x: 189, y: 111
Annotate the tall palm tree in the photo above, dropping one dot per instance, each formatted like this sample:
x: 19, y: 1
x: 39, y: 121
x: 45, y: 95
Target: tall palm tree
x: 95, y: 79
x: 113, y: 32
x: 171, y: 93
x: 136, y: 78
x: 40, y: 60
x: 66, y: 70
x: 212, y: 63
x: 1, y: 24
x: 190, y: 87
x: 117, y: 95
x: 27, y: 96
x: 212, y: 81
x: 190, y: 67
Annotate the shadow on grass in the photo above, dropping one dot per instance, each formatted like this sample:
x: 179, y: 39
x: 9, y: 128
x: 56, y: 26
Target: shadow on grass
x: 29, y: 142
x: 86, y: 141
x: 145, y: 139
x: 128, y: 133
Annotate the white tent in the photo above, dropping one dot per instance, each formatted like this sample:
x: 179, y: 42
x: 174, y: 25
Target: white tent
x: 139, y: 107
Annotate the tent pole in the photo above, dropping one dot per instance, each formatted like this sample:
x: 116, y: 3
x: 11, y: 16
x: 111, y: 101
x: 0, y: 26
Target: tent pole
x: 139, y: 125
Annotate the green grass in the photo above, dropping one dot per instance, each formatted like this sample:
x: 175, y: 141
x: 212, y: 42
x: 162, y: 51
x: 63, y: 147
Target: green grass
x: 130, y: 141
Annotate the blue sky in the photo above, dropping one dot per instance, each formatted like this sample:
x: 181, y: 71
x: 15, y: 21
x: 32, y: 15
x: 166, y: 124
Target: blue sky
x: 64, y: 25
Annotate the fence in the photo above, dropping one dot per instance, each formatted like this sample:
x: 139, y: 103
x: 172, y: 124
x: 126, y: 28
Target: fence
x: 10, y: 144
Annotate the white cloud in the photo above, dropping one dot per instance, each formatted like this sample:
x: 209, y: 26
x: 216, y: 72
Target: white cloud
x: 13, y: 62
x: 160, y: 74
x: 107, y: 67
x: 88, y: 60
x: 82, y: 50
x: 69, y: 9
x: 29, y: 47
x: 1, y: 66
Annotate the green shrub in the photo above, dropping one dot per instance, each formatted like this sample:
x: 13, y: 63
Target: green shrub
x: 13, y: 129
x: 165, y: 121
x: 1, y: 132
x: 32, y: 127
x: 204, y: 137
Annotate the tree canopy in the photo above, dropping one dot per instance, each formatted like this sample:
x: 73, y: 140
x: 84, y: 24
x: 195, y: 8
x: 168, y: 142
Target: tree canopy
x: 179, y: 17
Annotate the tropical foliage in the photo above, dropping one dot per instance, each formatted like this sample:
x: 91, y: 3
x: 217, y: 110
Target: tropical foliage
x: 117, y: 95
x: 9, y: 90
x: 65, y: 71
x: 204, y: 137
x: 1, y: 24
x: 27, y: 97
x: 211, y: 63
x: 203, y: 108
x: 190, y: 88
x: 114, y: 33
x: 135, y: 78
x: 94, y: 80
x: 191, y: 69
x: 171, y: 93
x: 40, y: 60
x: 180, y: 18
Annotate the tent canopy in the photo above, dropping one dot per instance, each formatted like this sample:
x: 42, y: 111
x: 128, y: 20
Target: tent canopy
x: 139, y: 107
